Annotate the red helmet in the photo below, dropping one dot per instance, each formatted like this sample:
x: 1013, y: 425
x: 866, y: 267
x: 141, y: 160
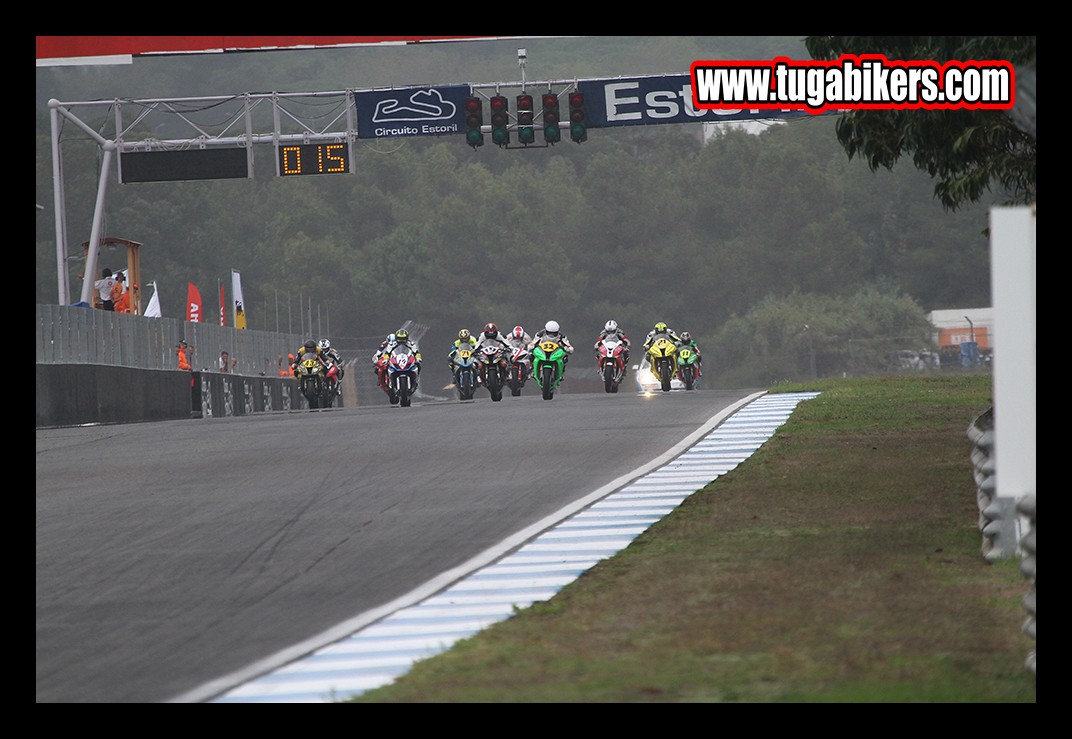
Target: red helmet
x: 491, y: 331
x: 518, y: 332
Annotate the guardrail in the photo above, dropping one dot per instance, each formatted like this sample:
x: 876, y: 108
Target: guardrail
x: 1002, y: 518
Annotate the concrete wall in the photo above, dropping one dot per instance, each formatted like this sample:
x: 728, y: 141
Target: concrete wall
x: 74, y: 394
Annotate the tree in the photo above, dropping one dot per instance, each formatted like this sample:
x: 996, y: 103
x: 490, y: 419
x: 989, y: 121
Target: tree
x: 969, y: 152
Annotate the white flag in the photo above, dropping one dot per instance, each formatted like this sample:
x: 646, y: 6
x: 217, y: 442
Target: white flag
x: 152, y: 310
x: 239, y: 305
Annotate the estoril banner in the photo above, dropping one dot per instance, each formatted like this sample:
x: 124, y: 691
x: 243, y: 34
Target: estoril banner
x: 419, y: 111
x: 647, y: 101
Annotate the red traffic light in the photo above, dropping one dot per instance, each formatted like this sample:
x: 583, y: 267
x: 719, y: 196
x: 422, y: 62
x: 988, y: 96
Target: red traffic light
x: 498, y: 103
x: 524, y: 102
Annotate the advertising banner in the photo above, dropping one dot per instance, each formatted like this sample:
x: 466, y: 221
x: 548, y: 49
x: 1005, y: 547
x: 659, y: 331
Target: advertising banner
x: 647, y: 101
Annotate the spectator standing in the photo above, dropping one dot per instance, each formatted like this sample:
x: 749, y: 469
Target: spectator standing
x: 104, y: 289
x: 120, y: 295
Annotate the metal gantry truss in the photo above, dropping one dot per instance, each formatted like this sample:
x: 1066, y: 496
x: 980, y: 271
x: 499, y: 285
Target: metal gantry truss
x: 226, y: 121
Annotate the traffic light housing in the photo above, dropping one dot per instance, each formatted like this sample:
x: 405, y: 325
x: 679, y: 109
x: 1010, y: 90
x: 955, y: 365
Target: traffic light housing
x: 552, y: 131
x: 500, y: 120
x: 578, y: 130
x: 474, y: 122
x: 526, y: 134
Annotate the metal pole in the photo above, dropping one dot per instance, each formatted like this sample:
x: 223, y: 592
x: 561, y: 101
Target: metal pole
x: 62, y: 279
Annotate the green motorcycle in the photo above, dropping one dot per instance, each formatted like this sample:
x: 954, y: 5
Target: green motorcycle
x: 687, y: 368
x: 548, y: 362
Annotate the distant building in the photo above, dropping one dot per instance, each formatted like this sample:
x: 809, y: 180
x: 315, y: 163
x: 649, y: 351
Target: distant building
x: 963, y: 336
x: 955, y: 327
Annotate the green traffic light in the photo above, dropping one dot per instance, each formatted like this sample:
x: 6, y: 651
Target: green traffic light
x: 526, y: 135
x: 500, y: 136
x: 475, y: 138
x: 578, y: 133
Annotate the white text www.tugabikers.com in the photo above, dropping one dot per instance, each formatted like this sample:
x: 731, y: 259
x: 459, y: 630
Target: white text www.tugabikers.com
x: 853, y: 82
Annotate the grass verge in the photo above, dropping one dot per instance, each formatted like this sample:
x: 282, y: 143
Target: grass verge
x: 841, y: 563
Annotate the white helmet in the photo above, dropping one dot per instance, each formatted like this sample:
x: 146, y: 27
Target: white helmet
x: 611, y: 326
x: 324, y: 344
x: 551, y: 327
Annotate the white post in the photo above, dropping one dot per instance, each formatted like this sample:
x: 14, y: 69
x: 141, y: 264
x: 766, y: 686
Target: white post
x: 1012, y: 270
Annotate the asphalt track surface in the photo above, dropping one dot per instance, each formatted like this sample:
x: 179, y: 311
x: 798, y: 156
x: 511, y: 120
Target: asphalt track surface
x: 171, y: 554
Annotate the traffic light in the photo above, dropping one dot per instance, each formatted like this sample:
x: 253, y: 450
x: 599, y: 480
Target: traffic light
x: 552, y: 133
x: 578, y: 129
x: 526, y: 134
x: 500, y: 120
x: 474, y: 121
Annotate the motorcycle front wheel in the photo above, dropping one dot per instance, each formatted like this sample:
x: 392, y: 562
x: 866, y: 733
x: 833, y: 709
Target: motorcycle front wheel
x: 547, y: 378
x: 688, y: 376
x: 608, y: 378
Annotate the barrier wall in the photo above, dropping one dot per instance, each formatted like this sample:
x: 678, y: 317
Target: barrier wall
x: 76, y: 394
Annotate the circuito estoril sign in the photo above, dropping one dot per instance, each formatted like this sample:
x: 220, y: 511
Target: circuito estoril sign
x: 618, y: 101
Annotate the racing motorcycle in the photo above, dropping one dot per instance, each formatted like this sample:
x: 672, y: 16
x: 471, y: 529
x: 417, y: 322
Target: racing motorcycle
x: 465, y: 372
x: 519, y: 369
x: 548, y: 363
x: 492, y: 368
x: 611, y: 362
x: 403, y: 371
x: 662, y: 355
x: 330, y: 388
x: 687, y: 368
x: 311, y: 378
x: 381, y: 376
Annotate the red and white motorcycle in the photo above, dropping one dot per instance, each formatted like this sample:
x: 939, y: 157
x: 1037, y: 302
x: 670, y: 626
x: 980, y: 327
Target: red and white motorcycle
x: 610, y: 358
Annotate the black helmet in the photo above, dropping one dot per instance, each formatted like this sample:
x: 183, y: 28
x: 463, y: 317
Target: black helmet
x: 310, y: 345
x: 686, y: 336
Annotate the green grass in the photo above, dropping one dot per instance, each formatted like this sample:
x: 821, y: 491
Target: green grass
x: 840, y: 564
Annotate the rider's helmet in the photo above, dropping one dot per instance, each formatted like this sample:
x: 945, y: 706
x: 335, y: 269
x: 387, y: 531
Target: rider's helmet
x: 686, y: 336
x: 518, y: 332
x: 401, y: 335
x: 551, y: 327
x: 310, y: 346
x: 463, y: 334
x: 491, y: 331
x: 611, y: 327
x: 660, y: 327
x: 323, y: 345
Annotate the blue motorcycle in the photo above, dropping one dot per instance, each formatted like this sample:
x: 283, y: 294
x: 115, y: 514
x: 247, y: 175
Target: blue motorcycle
x: 465, y: 372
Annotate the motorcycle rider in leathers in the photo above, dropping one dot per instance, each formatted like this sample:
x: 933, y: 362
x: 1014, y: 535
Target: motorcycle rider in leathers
x: 553, y: 332
x: 687, y: 340
x: 466, y: 339
x: 518, y: 338
x: 611, y: 329
x: 491, y: 335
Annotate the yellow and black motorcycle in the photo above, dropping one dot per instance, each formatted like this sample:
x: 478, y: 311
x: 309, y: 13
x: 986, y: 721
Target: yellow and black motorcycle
x: 662, y: 356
